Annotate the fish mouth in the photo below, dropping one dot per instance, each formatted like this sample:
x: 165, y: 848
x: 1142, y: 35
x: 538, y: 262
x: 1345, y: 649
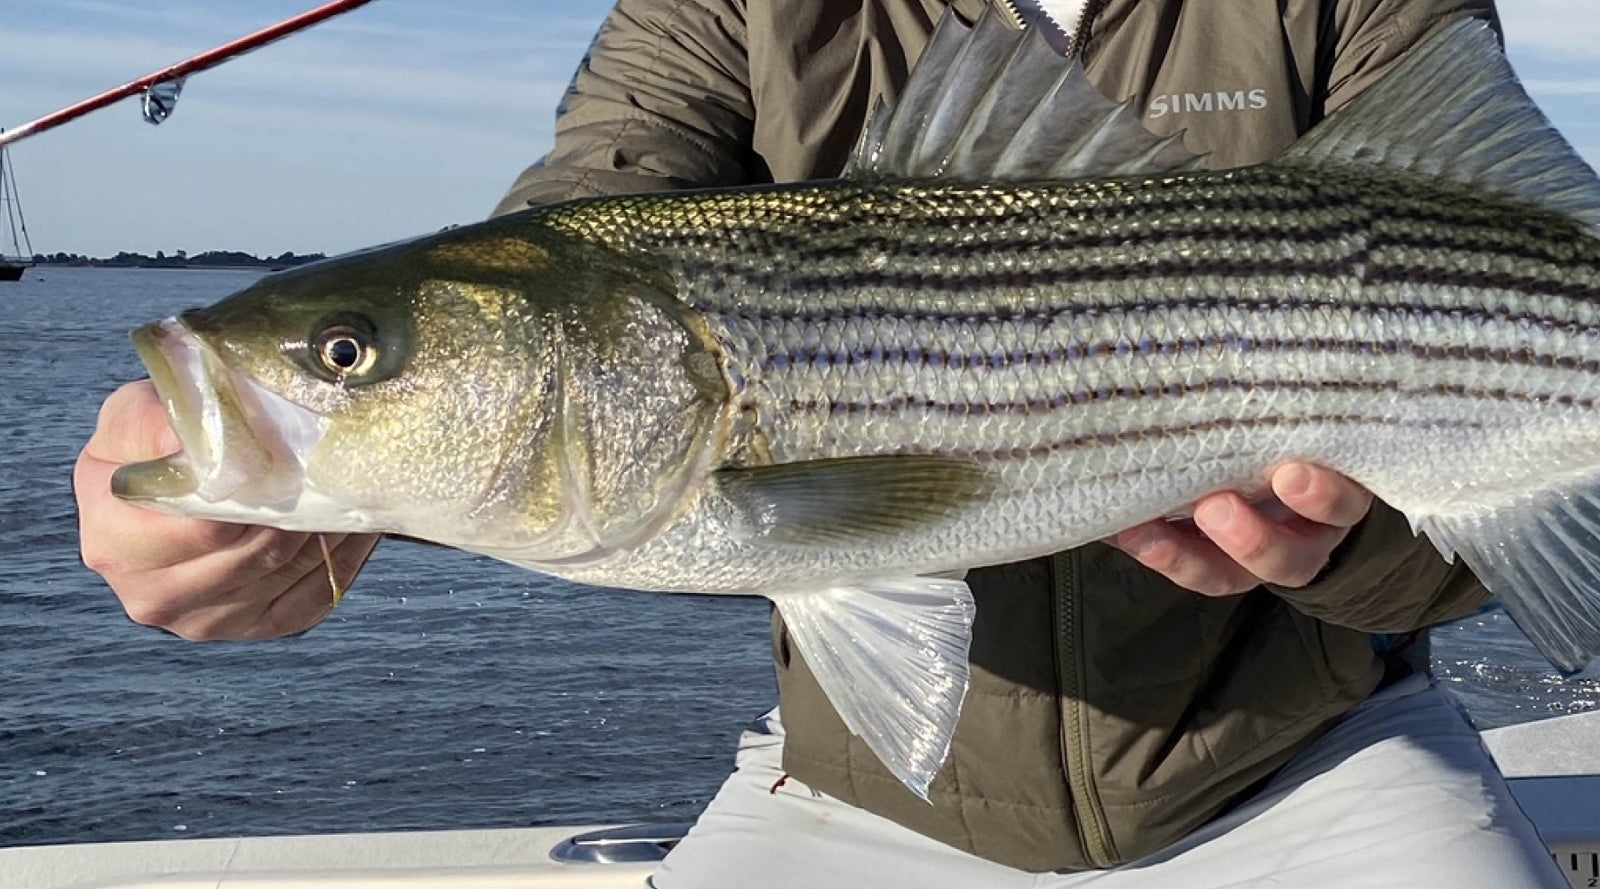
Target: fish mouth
x: 241, y: 443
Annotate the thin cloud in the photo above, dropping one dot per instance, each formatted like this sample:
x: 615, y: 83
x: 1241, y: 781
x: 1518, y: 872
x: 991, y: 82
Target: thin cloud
x: 1563, y: 28
x: 99, y: 14
x: 432, y: 79
x: 1554, y: 87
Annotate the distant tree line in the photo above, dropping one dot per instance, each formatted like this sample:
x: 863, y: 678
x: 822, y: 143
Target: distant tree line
x: 211, y: 259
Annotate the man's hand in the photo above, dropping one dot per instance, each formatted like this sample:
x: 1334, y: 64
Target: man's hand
x: 198, y: 579
x: 1233, y: 546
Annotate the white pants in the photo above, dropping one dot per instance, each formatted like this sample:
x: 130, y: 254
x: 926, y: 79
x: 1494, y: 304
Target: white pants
x: 1400, y: 793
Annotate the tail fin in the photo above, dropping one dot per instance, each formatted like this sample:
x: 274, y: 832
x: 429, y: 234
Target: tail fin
x: 1541, y: 556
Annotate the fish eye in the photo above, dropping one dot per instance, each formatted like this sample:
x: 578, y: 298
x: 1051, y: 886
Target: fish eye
x: 345, y: 350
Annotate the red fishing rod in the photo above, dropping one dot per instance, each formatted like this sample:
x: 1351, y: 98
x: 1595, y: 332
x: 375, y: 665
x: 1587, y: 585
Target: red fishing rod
x: 160, y: 89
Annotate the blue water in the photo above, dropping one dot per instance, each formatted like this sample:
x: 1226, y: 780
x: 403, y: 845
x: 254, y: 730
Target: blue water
x: 447, y: 691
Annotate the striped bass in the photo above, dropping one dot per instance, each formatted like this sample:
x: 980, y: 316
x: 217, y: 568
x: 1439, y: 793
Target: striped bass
x: 1019, y: 324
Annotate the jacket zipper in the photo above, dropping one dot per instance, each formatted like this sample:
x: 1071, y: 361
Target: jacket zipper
x: 1098, y: 845
x: 1080, y: 34
x: 1013, y: 14
x: 1016, y: 19
x: 1066, y: 570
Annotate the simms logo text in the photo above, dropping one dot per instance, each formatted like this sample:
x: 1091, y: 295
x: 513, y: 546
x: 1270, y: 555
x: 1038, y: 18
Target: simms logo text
x: 1178, y: 103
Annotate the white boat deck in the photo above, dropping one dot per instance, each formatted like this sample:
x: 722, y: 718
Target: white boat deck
x: 1554, y: 767
x: 451, y: 859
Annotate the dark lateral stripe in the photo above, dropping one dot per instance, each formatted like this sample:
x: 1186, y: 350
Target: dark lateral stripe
x: 1178, y: 390
x: 964, y: 282
x: 1423, y: 233
x: 1435, y: 276
x: 781, y: 362
x: 1134, y: 436
x: 1005, y: 240
x: 1060, y: 276
x: 1069, y: 267
x: 1428, y: 231
x: 873, y: 314
x: 1043, y: 261
x: 856, y: 315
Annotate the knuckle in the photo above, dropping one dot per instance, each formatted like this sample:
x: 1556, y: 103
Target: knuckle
x: 1163, y: 557
x: 1253, y: 547
x: 208, y: 536
x: 1191, y: 574
x: 149, y: 611
x: 99, y: 558
x: 1321, y: 510
x: 1218, y: 588
x: 279, y: 626
x: 266, y: 628
x: 132, y: 425
x: 192, y: 633
x: 297, y: 611
x: 211, y: 626
x: 1340, y: 503
x: 278, y: 550
x: 1297, y: 576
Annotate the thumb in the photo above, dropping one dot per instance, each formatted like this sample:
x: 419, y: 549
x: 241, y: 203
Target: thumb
x: 132, y: 427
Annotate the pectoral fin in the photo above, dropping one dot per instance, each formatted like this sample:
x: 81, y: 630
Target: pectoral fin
x: 892, y: 657
x: 824, y: 502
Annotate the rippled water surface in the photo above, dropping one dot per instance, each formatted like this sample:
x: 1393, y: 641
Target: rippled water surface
x: 447, y: 691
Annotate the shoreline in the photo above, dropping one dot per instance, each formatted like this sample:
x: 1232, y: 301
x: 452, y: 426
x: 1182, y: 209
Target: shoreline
x: 263, y: 267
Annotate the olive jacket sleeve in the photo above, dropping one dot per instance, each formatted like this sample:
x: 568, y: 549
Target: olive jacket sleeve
x: 1385, y: 579
x: 661, y: 101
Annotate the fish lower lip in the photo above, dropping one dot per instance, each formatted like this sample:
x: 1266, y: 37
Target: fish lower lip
x: 162, y: 346
x: 164, y: 479
x: 173, y: 476
x: 219, y: 455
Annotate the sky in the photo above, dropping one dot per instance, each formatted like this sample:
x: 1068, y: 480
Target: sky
x: 396, y: 119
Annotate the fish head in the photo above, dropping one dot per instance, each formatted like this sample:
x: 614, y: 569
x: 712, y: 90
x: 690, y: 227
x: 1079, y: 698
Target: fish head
x: 502, y: 388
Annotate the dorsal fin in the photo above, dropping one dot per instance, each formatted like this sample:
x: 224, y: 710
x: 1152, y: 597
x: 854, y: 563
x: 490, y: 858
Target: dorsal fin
x: 992, y: 102
x: 1454, y: 109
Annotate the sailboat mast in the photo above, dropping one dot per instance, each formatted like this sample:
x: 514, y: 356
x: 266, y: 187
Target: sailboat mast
x: 13, y: 209
x: 174, y: 74
x: 12, y: 267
